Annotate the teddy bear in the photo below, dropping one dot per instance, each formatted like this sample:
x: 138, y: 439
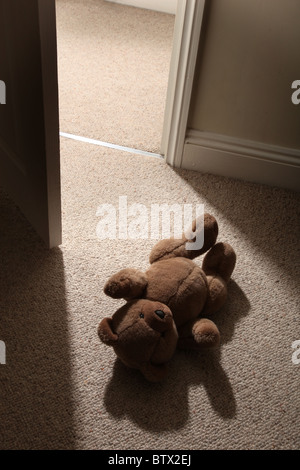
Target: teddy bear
x: 168, y: 306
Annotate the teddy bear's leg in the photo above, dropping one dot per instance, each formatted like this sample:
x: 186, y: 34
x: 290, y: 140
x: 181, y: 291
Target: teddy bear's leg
x: 127, y: 284
x: 218, y: 266
x: 199, y: 334
x: 171, y: 248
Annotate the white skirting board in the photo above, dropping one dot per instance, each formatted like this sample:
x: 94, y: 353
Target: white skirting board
x: 242, y: 159
x: 165, y: 6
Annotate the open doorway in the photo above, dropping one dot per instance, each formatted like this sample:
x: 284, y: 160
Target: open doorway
x: 113, y: 66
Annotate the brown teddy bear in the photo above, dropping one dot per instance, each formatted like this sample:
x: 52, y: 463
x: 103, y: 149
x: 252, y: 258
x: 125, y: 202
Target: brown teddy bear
x: 166, y: 305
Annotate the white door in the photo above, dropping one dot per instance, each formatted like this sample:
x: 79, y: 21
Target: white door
x: 29, y: 124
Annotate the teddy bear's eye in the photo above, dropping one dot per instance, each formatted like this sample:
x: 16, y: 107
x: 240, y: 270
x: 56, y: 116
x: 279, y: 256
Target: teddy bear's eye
x: 142, y: 315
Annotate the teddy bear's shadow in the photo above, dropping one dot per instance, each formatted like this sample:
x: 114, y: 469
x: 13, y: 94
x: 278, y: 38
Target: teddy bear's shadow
x: 164, y: 406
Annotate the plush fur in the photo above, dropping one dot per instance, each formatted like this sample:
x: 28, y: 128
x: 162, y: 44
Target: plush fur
x: 167, y: 306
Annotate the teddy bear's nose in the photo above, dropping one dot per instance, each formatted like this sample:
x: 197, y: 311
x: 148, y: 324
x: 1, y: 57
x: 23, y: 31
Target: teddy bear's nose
x: 160, y: 314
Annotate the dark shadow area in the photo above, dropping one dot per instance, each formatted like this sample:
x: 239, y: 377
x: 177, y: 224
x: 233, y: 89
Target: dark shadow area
x: 35, y: 383
x: 165, y: 406
x: 236, y: 307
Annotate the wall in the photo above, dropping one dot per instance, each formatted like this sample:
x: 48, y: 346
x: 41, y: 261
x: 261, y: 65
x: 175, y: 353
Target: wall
x: 165, y: 6
x: 248, y: 59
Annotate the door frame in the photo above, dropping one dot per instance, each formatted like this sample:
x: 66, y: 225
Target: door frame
x: 188, y: 24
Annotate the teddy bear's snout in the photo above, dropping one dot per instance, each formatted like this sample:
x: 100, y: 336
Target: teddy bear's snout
x: 160, y: 314
x: 159, y: 320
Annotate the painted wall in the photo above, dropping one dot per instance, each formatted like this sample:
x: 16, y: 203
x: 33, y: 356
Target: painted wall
x: 247, y: 63
x: 165, y: 6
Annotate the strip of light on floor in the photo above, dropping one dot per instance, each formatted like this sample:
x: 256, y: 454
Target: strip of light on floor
x: 112, y: 146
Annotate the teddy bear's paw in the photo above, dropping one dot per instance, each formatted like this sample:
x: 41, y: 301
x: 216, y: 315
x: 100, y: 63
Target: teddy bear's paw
x: 206, y: 333
x: 202, y: 334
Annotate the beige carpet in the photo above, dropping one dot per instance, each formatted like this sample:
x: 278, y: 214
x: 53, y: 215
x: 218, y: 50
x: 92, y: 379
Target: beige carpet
x: 63, y: 389
x: 113, y: 63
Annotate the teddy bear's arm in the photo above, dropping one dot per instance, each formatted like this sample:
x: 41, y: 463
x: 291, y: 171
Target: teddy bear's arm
x: 128, y: 284
x: 106, y: 333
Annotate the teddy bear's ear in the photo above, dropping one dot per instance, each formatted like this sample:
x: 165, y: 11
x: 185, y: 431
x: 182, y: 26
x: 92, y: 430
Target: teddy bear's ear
x: 105, y: 332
